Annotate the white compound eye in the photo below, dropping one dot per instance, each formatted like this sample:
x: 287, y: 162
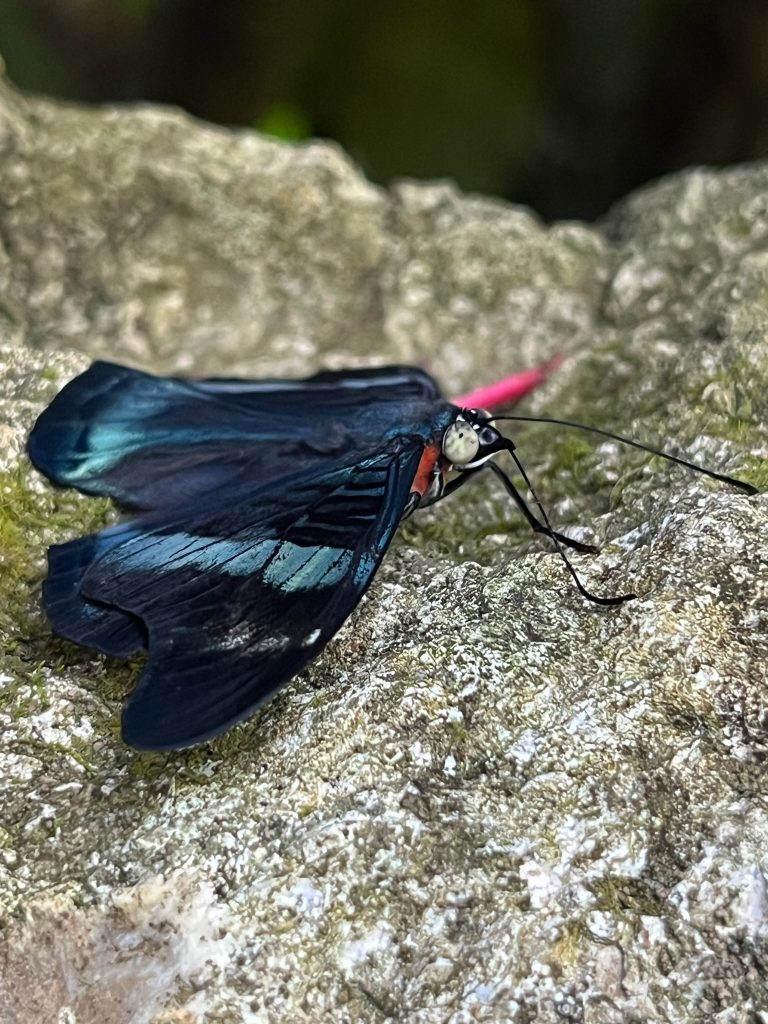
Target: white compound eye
x: 460, y: 443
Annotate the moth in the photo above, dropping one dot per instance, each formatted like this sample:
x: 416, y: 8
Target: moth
x: 263, y: 510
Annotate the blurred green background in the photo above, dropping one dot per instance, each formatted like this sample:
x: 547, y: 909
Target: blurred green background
x: 562, y: 104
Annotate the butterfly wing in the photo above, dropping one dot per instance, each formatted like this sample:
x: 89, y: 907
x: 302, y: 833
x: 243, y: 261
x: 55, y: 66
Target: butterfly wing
x: 153, y: 442
x: 236, y: 599
x: 71, y: 615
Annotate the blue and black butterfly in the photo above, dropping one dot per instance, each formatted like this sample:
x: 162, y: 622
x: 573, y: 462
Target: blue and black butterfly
x: 263, y: 510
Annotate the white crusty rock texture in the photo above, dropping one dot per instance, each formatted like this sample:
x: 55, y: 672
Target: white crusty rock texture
x: 489, y: 800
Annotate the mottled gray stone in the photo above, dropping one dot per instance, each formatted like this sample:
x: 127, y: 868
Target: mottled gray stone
x: 488, y: 800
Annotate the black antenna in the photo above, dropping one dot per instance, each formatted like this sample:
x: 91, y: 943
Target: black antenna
x: 742, y: 485
x: 508, y: 446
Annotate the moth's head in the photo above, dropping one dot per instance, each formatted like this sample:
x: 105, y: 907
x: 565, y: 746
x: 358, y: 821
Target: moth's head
x: 470, y: 440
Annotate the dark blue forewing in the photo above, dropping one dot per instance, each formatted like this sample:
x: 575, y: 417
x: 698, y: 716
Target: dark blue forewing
x: 239, y: 595
x: 154, y: 442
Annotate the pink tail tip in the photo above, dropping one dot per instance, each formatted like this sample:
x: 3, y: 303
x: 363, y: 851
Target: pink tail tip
x: 508, y: 390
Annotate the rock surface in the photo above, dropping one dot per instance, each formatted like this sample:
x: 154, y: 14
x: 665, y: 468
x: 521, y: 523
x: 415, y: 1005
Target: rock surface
x: 488, y: 800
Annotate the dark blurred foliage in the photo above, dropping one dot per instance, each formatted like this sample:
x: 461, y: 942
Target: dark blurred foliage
x: 563, y: 104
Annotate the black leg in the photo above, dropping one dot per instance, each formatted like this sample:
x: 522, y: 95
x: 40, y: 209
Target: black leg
x: 533, y: 522
x: 459, y: 481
